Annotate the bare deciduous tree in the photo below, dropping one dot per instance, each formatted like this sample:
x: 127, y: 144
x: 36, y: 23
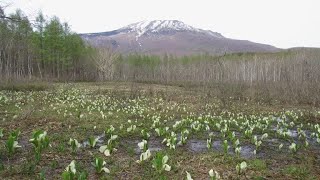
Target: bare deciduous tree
x: 104, y: 59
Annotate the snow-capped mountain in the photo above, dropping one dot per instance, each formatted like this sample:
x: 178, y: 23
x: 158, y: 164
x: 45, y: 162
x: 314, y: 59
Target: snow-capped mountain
x: 164, y: 26
x: 170, y: 36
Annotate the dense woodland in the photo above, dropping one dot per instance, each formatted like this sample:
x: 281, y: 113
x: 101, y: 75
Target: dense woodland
x: 47, y: 50
x: 42, y: 48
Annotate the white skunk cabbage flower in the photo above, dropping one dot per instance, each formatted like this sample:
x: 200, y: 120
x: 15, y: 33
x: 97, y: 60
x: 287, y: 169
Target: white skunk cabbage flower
x: 113, y: 137
x: 144, y: 156
x: 280, y: 146
x: 104, y: 149
x: 264, y: 136
x: 165, y: 165
x: 188, y: 176
x: 241, y: 167
x: 71, y: 167
x: 214, y: 174
x: 143, y: 145
x: 293, y: 147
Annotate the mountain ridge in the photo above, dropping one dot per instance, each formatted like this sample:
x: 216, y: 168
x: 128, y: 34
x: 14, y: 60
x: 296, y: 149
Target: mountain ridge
x: 171, y: 36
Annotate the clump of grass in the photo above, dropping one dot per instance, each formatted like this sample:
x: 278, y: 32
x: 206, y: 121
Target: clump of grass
x: 259, y: 165
x: 297, y: 171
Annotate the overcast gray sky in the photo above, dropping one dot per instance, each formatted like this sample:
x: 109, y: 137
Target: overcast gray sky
x: 282, y: 23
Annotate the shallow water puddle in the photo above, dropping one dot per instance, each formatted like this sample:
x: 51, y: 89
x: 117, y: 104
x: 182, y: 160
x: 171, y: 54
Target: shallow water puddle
x: 154, y: 145
x: 201, y: 146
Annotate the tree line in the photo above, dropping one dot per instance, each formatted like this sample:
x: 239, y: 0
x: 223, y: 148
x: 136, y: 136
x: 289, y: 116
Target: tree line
x: 43, y: 49
x: 291, y: 76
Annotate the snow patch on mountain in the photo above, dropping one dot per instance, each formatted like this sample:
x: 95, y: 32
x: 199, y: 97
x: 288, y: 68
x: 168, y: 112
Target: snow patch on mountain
x: 156, y: 26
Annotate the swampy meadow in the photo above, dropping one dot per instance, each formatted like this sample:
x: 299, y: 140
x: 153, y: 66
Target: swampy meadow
x: 195, y: 106
x: 145, y: 131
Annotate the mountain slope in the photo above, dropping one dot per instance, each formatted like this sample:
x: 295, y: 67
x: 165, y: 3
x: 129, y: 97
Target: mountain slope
x: 173, y: 37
